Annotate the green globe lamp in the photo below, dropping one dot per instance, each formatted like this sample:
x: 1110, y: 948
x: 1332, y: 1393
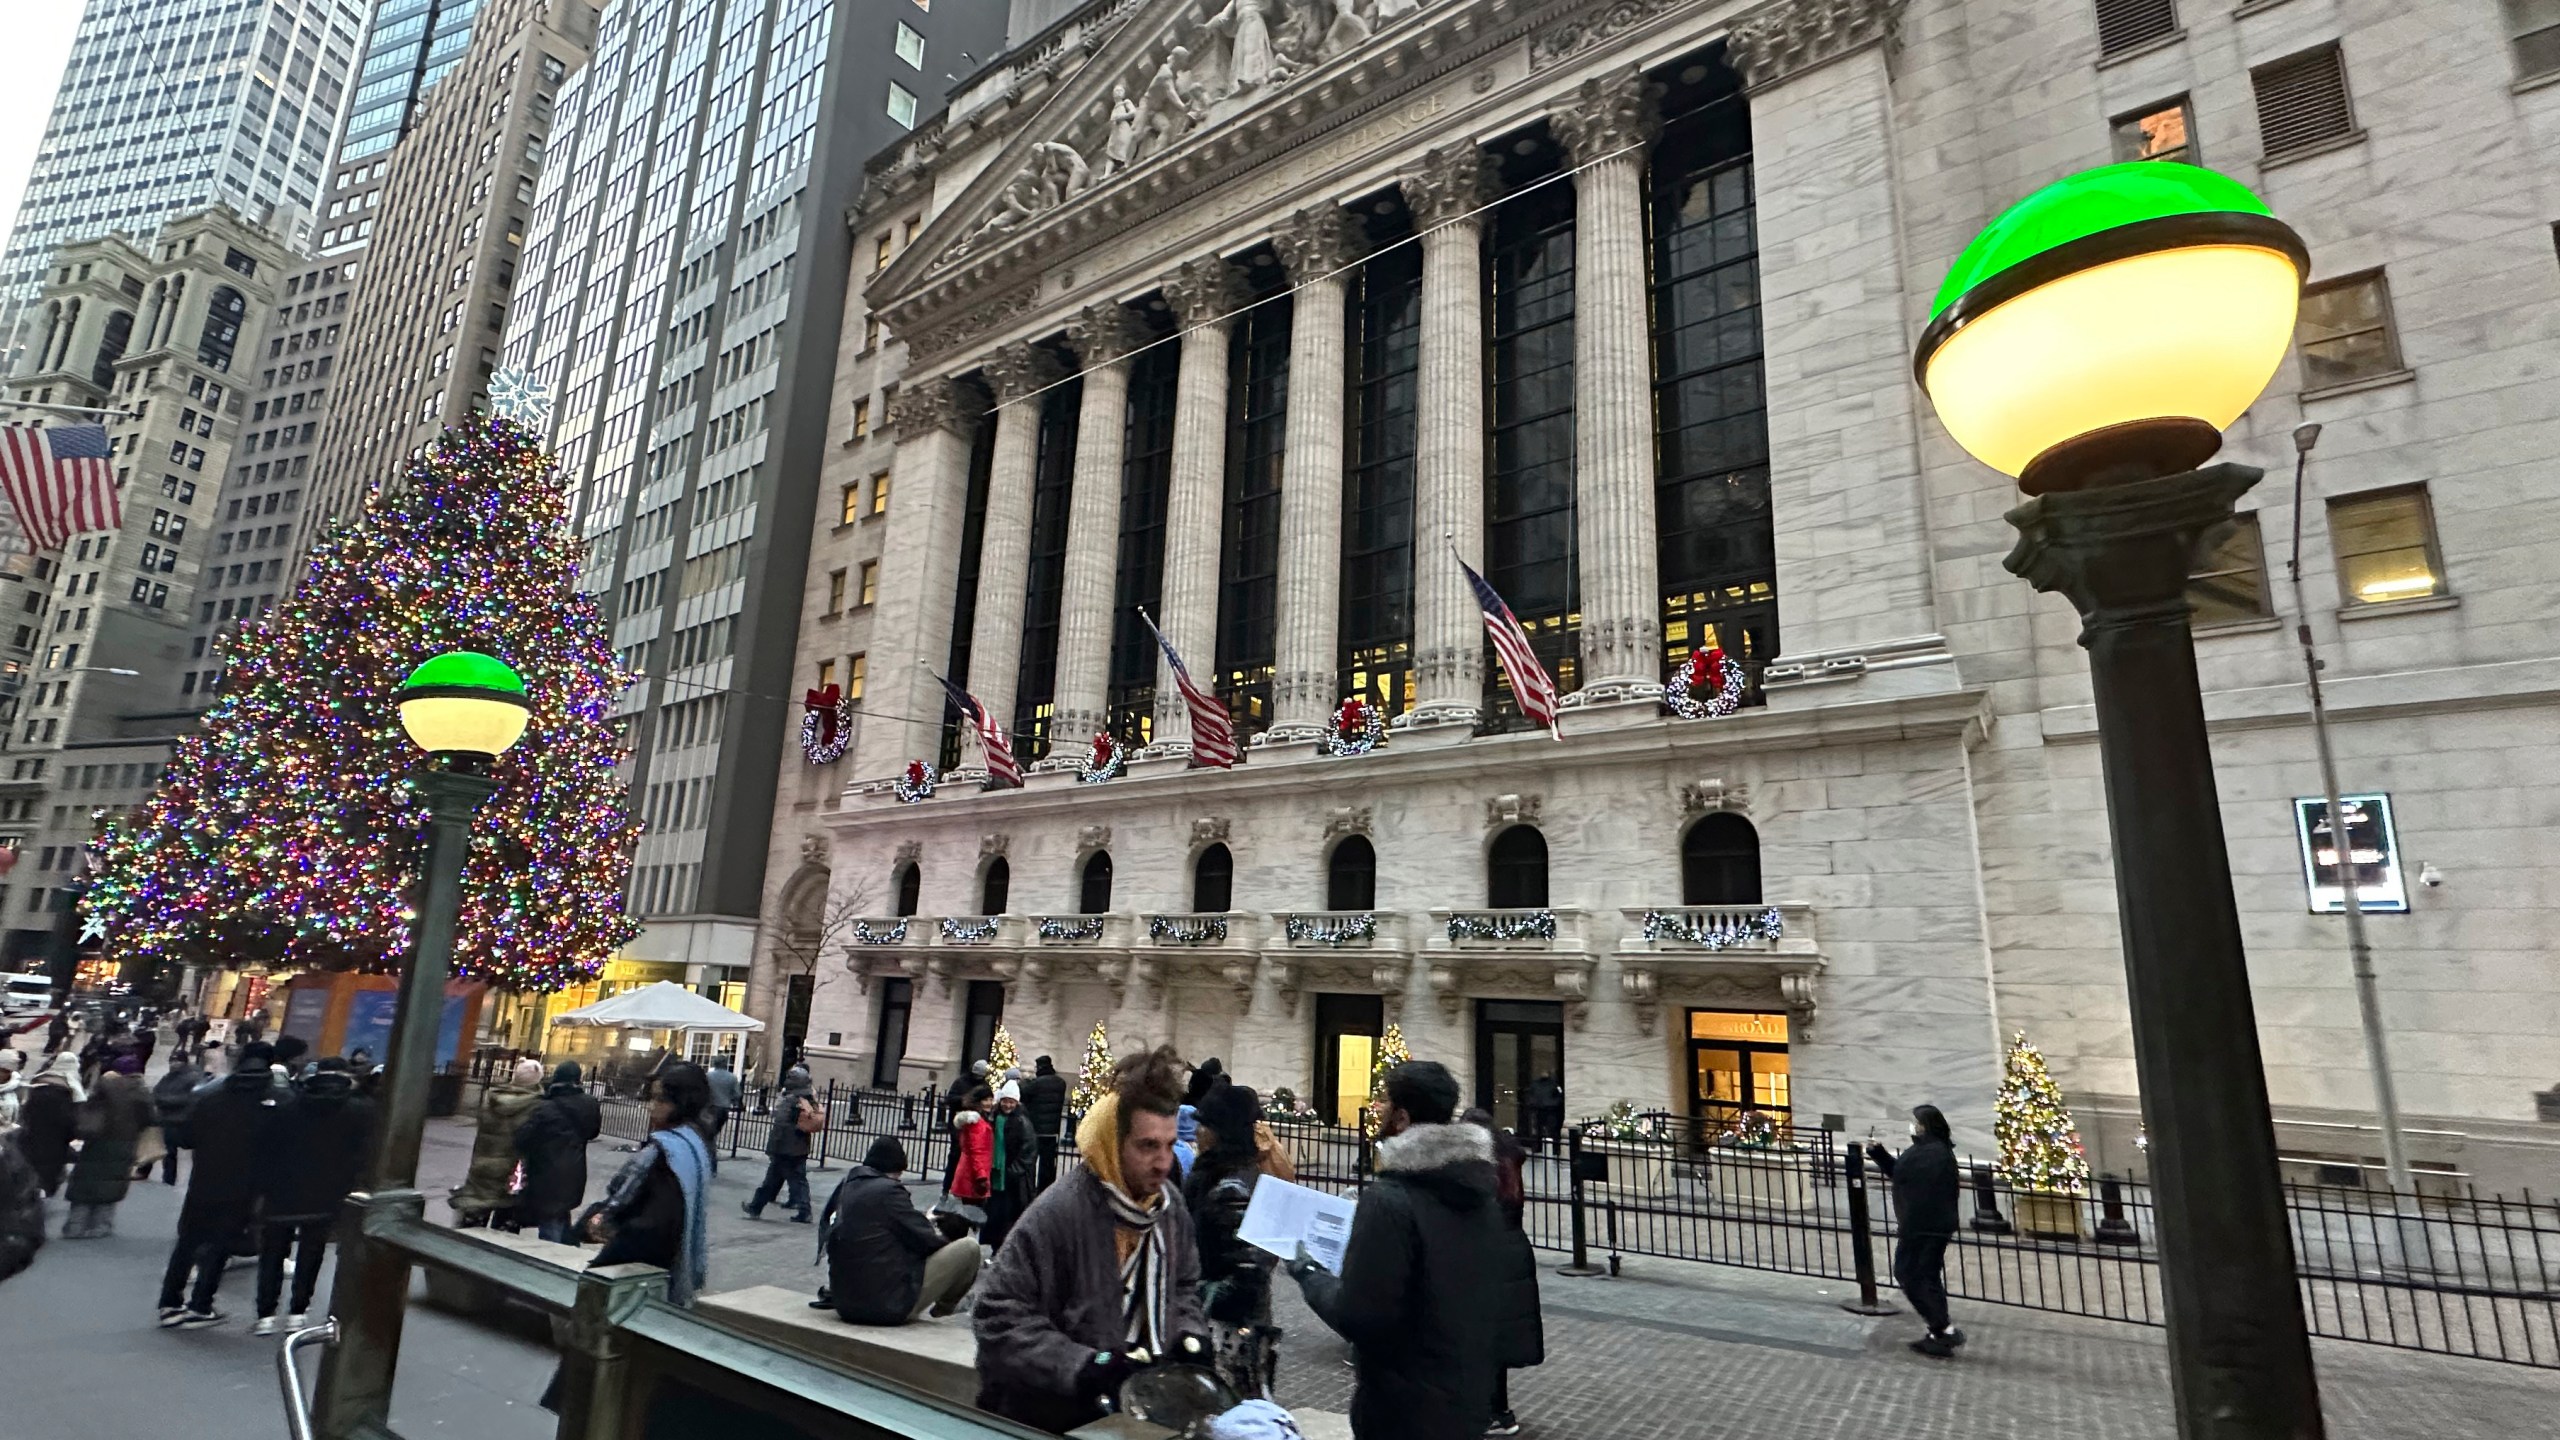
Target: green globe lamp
x: 2111, y: 325
x: 464, y: 706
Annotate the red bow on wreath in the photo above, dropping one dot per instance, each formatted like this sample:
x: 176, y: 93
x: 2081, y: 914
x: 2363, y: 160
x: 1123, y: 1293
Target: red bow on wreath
x: 1706, y: 668
x: 1103, y: 750
x: 915, y: 772
x: 822, y: 703
x: 1353, y: 715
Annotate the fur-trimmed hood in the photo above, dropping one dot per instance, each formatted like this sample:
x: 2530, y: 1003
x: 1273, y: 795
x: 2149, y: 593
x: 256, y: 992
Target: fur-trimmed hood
x: 1454, y: 1162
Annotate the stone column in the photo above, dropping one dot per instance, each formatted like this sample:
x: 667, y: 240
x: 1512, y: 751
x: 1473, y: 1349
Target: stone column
x: 1846, y: 499
x: 1102, y: 336
x: 934, y: 422
x: 1203, y: 294
x: 1004, y: 552
x: 1606, y: 127
x: 1448, y: 626
x: 1314, y: 245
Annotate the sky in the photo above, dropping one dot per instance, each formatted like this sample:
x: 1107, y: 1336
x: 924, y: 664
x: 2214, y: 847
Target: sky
x: 39, y: 41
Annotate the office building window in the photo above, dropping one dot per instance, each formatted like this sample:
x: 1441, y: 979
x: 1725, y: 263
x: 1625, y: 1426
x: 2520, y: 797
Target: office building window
x: 2130, y: 24
x: 861, y: 417
x: 2533, y: 28
x: 880, y: 493
x: 826, y: 673
x: 835, y: 591
x: 2302, y: 102
x: 870, y: 583
x: 2228, y: 585
x: 850, y: 508
x: 2385, y: 542
x: 1376, y: 638
x: 2344, y: 332
x: 853, y: 676
x: 2162, y: 132
x: 1530, y: 553
x: 902, y: 104
x: 910, y: 45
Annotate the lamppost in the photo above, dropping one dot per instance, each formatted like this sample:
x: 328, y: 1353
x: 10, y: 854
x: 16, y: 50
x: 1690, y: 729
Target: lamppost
x: 2093, y: 342
x: 464, y: 709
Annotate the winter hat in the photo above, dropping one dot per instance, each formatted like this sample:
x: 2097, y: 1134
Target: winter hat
x: 1231, y: 1109
x: 795, y: 1078
x: 886, y: 1155
x: 1932, y: 1120
x: 1256, y: 1420
x: 528, y: 1071
x: 1008, y: 1091
x: 567, y: 1073
x: 1204, y: 1080
x: 1045, y: 1066
x: 126, y: 1064
x: 13, y: 1061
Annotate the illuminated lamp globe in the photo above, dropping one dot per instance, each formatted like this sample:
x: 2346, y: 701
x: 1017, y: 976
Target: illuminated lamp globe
x: 464, y: 705
x: 2110, y: 326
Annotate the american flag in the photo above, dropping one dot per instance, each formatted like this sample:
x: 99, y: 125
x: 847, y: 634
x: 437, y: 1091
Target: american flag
x: 1530, y: 683
x: 58, y: 480
x: 1002, y: 768
x: 1213, y: 734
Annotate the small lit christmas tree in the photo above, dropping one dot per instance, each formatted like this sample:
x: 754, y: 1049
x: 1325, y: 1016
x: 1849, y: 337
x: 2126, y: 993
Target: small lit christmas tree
x: 286, y: 831
x: 1000, y: 1054
x: 1094, y: 1080
x: 1391, y: 1053
x: 2039, y: 1144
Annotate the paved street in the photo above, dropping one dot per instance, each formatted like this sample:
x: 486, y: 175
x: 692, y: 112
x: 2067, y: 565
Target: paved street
x: 1667, y: 1350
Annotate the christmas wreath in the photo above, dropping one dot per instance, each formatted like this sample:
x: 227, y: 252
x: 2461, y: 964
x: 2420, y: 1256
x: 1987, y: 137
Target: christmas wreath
x: 1356, y: 729
x: 1715, y: 673
x: 826, y: 726
x: 1106, y: 761
x: 915, y: 783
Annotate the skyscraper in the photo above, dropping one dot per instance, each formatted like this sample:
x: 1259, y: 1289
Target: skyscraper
x: 682, y: 293
x: 168, y: 106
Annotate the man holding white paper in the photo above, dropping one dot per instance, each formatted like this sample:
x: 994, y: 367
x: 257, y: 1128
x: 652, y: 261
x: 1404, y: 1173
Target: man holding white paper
x: 1417, y: 1294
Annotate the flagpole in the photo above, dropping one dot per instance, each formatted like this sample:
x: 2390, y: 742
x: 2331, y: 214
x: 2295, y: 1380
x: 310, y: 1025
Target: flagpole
x: 1555, y: 727
x: 69, y: 409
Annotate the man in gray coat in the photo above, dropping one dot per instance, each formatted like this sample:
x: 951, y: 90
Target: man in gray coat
x: 1100, y: 1277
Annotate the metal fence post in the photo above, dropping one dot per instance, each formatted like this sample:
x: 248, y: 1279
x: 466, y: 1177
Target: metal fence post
x: 1862, y: 1239
x: 826, y: 1121
x: 1986, y: 1204
x: 1581, y: 1264
x: 2113, y: 1228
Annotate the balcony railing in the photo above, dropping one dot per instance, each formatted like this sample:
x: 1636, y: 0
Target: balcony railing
x: 1211, y: 930
x: 1338, y: 929
x: 1544, y: 928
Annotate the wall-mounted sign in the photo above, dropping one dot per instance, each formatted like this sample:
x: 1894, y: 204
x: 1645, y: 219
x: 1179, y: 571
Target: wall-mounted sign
x: 2371, y: 842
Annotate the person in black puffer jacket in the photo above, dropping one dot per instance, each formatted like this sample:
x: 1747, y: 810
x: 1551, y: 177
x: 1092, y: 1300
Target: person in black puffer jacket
x: 1044, y: 1100
x: 1420, y: 1294
x: 229, y: 1128
x: 886, y: 1263
x: 1924, y: 1211
x: 1522, y: 1339
x: 553, y: 1143
x: 315, y: 1155
x: 1235, y: 1278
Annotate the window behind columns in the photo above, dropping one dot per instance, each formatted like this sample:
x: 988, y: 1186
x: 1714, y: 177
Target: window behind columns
x: 1052, y: 476
x: 1529, y: 545
x: 1249, y: 526
x: 1377, y: 516
x: 964, y: 607
x: 1146, y: 474
x: 1711, y: 501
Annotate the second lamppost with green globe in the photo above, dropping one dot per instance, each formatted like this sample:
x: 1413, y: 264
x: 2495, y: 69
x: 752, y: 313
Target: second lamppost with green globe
x: 464, y: 709
x: 2094, y: 342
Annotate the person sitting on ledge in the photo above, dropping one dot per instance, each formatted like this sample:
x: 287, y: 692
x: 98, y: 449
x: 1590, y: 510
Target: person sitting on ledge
x: 886, y: 1263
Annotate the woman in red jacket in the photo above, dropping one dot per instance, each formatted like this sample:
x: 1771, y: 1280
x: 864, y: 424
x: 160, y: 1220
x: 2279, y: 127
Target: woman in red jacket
x: 974, y: 1143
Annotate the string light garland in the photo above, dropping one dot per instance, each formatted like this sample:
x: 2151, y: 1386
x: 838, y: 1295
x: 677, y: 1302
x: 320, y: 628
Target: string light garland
x: 960, y: 931
x: 893, y: 933
x: 1356, y: 728
x: 1710, y: 666
x: 1188, y: 929
x: 1495, y: 925
x: 1054, y: 927
x: 1714, y: 932
x: 1333, y: 931
x: 286, y: 830
x: 2039, y: 1142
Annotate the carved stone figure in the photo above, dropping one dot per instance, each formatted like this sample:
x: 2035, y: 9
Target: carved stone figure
x: 1349, y: 31
x: 1120, y: 151
x: 1248, y: 30
x: 1062, y: 173
x: 1169, y: 108
x: 1391, y: 11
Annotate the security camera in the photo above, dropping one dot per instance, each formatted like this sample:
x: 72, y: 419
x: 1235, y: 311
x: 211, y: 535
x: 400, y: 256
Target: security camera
x: 2430, y: 876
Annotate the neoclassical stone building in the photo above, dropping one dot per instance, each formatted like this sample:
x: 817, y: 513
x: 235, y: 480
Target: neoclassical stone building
x: 1256, y: 318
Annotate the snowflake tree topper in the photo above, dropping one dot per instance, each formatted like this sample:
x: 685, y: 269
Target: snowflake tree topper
x: 515, y: 395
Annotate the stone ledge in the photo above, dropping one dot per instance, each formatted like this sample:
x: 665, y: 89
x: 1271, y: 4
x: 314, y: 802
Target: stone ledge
x: 2499, y: 686
x: 937, y: 1356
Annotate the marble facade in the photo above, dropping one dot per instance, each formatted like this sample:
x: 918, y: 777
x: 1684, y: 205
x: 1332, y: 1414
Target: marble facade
x: 1922, y: 776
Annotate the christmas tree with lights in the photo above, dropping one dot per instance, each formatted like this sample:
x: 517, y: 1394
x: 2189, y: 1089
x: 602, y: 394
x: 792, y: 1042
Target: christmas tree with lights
x: 1001, y: 1055
x: 2039, y: 1143
x: 287, y: 830
x: 1391, y: 1053
x: 1093, y: 1081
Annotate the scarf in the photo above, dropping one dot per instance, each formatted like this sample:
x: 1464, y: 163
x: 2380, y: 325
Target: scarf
x: 995, y: 1181
x: 1146, y: 1281
x: 689, y: 1160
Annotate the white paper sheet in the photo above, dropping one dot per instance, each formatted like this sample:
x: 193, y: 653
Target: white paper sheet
x: 1284, y: 1216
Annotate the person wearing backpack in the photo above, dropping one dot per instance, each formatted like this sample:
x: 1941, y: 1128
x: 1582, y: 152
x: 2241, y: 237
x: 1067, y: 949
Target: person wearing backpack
x: 796, y: 1117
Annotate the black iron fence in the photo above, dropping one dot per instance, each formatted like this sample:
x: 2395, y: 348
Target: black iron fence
x: 855, y: 1116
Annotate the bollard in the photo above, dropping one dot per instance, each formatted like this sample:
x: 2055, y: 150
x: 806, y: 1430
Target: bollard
x: 1986, y: 1205
x: 826, y: 1121
x: 1862, y: 1239
x: 1581, y: 1263
x: 2113, y: 1227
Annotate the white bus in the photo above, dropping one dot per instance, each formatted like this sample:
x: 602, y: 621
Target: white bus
x: 25, y: 992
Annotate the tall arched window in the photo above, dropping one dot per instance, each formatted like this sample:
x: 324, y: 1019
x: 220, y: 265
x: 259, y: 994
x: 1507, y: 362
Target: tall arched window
x: 1093, y: 893
x: 910, y: 888
x: 995, y: 887
x: 1720, y: 862
x: 1516, y: 870
x: 222, y: 317
x: 1213, y: 881
x: 1351, y: 875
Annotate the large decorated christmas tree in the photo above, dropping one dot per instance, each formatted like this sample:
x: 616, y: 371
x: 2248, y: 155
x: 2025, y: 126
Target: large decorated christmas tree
x: 1001, y: 1055
x: 2039, y: 1143
x: 1093, y: 1080
x: 1391, y: 1053
x: 286, y: 830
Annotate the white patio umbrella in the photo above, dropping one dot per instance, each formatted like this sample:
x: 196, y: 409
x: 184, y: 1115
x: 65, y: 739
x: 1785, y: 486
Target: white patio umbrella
x: 663, y: 1005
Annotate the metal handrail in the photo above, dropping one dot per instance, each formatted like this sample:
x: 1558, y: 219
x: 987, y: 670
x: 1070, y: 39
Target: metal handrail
x: 297, y: 1411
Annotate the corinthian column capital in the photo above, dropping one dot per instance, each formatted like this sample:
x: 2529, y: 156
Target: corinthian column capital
x: 1787, y: 37
x: 1103, y: 333
x: 1450, y: 182
x: 1607, y: 113
x: 1020, y: 368
x: 929, y: 405
x: 1318, y: 241
x: 1204, y: 290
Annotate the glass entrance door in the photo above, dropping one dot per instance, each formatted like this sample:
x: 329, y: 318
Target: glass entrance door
x: 1737, y: 1061
x: 1347, y: 1031
x: 1518, y: 1042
